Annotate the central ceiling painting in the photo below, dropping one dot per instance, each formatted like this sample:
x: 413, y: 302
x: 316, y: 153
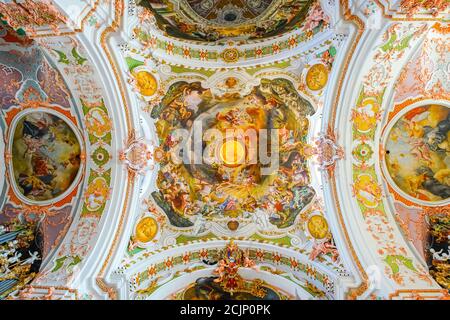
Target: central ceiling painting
x: 214, y: 20
x: 417, y: 153
x: 231, y: 156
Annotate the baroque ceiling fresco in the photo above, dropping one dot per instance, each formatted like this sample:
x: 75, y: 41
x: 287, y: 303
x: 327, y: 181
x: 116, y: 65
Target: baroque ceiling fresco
x: 224, y: 149
x: 222, y: 20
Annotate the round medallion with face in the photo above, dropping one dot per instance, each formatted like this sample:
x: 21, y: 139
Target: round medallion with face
x: 146, y: 229
x: 317, y: 77
x: 318, y: 227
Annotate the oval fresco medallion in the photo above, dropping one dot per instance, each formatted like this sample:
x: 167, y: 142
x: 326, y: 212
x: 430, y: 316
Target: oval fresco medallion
x: 418, y: 153
x: 318, y: 227
x: 45, y: 156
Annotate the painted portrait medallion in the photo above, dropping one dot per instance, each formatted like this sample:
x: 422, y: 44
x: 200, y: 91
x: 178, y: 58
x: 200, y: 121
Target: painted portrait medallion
x: 317, y: 77
x: 146, y: 83
x: 318, y: 227
x: 418, y: 153
x: 146, y: 229
x: 45, y: 156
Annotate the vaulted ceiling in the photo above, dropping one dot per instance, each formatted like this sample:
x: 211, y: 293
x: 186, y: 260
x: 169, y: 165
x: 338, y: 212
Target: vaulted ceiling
x: 226, y: 149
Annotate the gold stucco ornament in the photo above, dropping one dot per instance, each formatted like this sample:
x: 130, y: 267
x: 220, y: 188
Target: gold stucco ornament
x: 317, y: 77
x: 146, y: 83
x: 318, y: 227
x: 146, y: 229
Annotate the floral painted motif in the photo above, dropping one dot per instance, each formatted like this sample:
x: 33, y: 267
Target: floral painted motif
x: 151, y: 39
x: 222, y: 20
x: 416, y: 151
x: 236, y: 186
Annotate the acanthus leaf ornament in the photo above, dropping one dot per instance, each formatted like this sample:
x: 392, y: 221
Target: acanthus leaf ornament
x: 137, y: 156
x: 327, y: 151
